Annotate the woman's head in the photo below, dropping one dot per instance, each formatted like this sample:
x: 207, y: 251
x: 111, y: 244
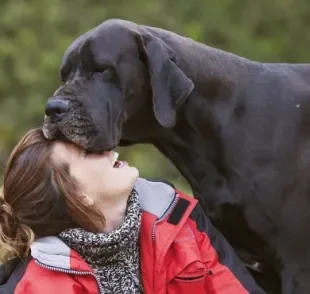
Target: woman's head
x: 50, y: 186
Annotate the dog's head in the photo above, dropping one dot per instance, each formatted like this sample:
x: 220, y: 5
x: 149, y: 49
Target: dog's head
x: 115, y: 74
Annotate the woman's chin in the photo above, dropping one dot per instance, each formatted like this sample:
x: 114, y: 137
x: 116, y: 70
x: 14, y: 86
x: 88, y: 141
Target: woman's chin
x: 135, y: 172
x: 126, y: 176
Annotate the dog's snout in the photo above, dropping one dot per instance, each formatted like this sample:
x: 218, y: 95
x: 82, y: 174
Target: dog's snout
x: 56, y: 107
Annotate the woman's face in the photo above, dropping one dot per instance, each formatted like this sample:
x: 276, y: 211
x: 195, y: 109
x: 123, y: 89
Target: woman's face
x: 99, y: 175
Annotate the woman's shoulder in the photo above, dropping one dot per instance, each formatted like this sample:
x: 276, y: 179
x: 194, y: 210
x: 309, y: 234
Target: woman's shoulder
x: 36, y: 280
x: 11, y: 273
x: 26, y: 277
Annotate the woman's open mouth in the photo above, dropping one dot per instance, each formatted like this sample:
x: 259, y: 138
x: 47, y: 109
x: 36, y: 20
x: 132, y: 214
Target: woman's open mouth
x: 118, y: 163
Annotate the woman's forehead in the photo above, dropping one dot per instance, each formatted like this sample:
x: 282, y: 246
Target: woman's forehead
x: 64, y: 152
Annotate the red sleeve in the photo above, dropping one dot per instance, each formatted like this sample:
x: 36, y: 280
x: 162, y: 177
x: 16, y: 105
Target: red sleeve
x: 26, y: 287
x: 226, y: 272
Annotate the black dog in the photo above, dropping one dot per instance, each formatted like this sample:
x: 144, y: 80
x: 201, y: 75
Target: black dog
x: 237, y: 130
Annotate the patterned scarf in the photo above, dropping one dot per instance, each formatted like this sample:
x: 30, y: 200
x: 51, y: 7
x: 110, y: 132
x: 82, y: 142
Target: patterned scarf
x: 114, y: 256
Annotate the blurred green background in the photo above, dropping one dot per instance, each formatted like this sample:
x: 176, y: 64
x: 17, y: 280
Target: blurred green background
x: 35, y: 33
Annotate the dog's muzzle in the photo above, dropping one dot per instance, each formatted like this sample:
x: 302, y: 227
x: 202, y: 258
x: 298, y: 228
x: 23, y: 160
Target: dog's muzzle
x: 56, y: 107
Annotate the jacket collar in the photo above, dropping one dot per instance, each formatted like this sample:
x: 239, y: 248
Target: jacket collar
x: 155, y: 197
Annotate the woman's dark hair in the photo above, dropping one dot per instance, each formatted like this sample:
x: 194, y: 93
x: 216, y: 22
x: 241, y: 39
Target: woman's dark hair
x: 39, y: 197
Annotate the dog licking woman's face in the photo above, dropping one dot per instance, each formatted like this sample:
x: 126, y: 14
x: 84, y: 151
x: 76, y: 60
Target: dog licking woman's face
x: 101, y: 177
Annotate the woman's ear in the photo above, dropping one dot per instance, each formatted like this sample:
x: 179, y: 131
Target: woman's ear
x: 86, y: 200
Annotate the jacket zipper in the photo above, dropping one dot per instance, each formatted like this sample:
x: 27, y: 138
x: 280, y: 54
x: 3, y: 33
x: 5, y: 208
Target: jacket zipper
x: 190, y: 278
x: 172, y: 205
x: 71, y: 272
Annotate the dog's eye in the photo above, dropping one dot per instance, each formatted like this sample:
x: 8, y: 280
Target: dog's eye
x: 100, y: 69
x: 63, y: 77
x: 64, y: 72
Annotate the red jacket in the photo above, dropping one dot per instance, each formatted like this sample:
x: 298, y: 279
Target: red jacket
x: 180, y: 251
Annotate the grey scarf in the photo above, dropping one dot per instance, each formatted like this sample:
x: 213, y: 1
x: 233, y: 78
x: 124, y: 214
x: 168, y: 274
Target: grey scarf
x: 114, y: 256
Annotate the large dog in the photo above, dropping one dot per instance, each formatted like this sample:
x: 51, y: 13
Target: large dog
x: 237, y: 130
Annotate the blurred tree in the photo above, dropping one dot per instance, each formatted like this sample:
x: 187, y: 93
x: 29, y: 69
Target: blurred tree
x: 35, y: 33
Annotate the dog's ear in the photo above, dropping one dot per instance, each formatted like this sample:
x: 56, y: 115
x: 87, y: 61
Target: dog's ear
x: 170, y: 86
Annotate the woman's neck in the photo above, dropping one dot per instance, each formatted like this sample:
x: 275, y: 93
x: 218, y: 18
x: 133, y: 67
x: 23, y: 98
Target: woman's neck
x: 114, y: 211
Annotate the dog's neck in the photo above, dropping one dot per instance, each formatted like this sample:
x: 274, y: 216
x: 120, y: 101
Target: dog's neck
x: 213, y: 71
x: 218, y: 77
x: 195, y: 156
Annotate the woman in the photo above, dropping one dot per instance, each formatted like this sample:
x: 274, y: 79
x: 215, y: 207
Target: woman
x: 86, y: 223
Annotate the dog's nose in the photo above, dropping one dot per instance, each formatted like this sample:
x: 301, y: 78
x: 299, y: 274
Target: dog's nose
x: 56, y: 107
